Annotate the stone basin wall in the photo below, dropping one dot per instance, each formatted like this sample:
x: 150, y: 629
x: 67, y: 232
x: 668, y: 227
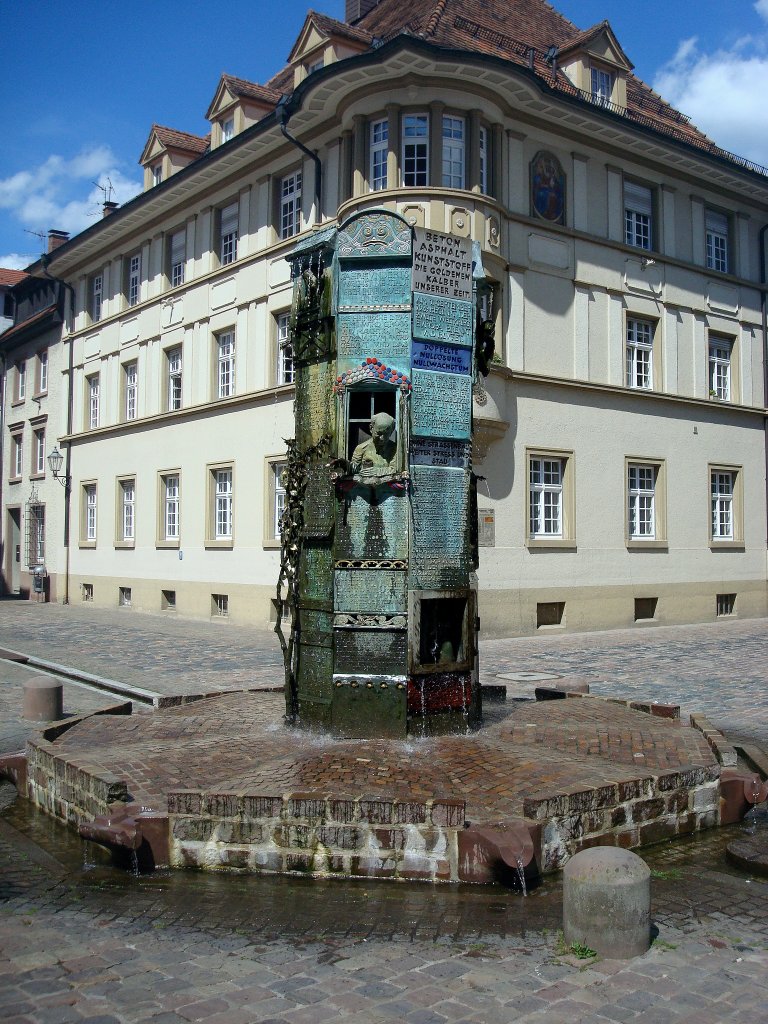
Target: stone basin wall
x: 67, y: 789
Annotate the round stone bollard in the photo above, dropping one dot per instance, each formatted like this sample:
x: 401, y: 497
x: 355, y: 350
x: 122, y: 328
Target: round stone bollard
x: 607, y: 902
x: 43, y: 699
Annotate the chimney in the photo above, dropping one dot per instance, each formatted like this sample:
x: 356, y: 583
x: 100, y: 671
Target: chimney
x: 108, y: 207
x: 357, y: 9
x: 56, y: 238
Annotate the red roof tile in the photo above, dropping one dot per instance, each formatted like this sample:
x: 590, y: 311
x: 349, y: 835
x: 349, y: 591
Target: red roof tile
x: 251, y: 90
x: 184, y: 141
x: 11, y: 277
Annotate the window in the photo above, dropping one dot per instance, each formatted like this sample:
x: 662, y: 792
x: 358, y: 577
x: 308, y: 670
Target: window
x: 228, y: 234
x: 363, y: 406
x: 285, y: 367
x: 157, y: 174
x: 168, y: 600
x: 177, y: 257
x: 550, y: 613
x: 170, y: 499
x: 638, y: 215
x: 277, y: 471
x: 415, y: 150
x: 21, y: 380
x: 124, y: 597
x: 550, y: 502
x: 645, y: 608
x: 174, y: 378
x: 42, y: 372
x: 95, y: 297
x: 222, y: 504
x: 220, y: 605
x: 725, y: 504
x: 453, y: 151
x: 225, y: 369
x: 89, y: 514
x: 315, y: 66
x: 717, y: 241
x: 227, y: 129
x: 484, y: 160
x: 92, y: 384
x: 133, y: 289
x: 379, y: 147
x: 290, y: 205
x: 641, y: 493
x: 720, y: 368
x: 35, y: 535
x: 17, y: 456
x: 725, y: 604
x: 127, y: 524
x: 131, y: 371
x: 87, y: 590
x: 602, y: 85
x: 639, y: 354
x: 38, y: 453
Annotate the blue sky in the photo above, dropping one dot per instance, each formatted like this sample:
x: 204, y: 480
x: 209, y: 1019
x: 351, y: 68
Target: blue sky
x: 82, y: 82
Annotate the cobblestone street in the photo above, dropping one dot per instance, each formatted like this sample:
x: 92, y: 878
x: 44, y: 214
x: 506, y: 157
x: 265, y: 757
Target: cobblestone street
x: 82, y: 941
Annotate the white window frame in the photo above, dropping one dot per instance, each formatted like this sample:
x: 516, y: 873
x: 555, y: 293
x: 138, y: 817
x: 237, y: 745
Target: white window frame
x: 229, y: 229
x: 278, y: 496
x: 17, y: 461
x: 175, y: 380
x: 133, y: 290
x: 378, y: 135
x: 228, y: 129
x: 641, y: 501
x: 638, y: 354
x: 638, y: 215
x: 601, y: 86
x: 96, y: 297
x: 42, y: 372
x: 717, y: 241
x: 223, y: 504
x: 225, y: 364
x: 415, y: 151
x: 131, y: 371
x: 90, y: 510
x: 171, y: 485
x: 39, y: 464
x: 545, y: 488
x: 454, y: 130
x: 36, y: 535
x: 286, y: 371
x: 483, y: 141
x: 127, y: 510
x: 157, y: 173
x: 21, y: 380
x: 720, y: 359
x: 722, y: 484
x: 178, y: 261
x: 93, y: 400
x: 290, y: 205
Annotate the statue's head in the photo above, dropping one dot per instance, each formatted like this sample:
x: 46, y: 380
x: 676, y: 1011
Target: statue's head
x: 382, y: 427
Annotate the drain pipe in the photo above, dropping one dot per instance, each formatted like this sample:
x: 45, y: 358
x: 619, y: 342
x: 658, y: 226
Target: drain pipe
x: 764, y: 317
x: 45, y: 259
x: 284, y: 113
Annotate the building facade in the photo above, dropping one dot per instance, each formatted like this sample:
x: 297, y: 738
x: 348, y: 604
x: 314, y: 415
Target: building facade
x: 621, y: 433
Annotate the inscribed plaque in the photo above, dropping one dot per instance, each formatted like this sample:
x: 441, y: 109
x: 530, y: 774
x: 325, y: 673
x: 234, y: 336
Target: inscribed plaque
x: 373, y: 529
x: 319, y: 501
x: 316, y: 628
x: 369, y: 590
x: 442, y: 264
x: 315, y: 402
x: 384, y: 335
x: 315, y: 673
x: 442, y: 404
x: 436, y: 318
x: 374, y: 287
x: 315, y: 569
x: 439, y: 452
x: 440, y: 551
x: 358, y: 650
x: 486, y: 531
x: 431, y: 355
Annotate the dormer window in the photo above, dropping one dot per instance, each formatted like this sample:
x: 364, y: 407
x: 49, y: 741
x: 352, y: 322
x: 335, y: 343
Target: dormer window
x: 315, y: 66
x: 602, y: 86
x: 157, y: 174
x: 227, y: 129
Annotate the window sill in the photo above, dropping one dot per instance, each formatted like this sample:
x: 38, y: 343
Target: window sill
x: 15, y: 479
x: 37, y: 476
x: 219, y: 545
x: 125, y: 545
x: 647, y: 545
x: 17, y: 401
x: 271, y: 543
x: 555, y: 543
x: 87, y: 544
x: 727, y: 545
x: 164, y: 545
x: 40, y: 394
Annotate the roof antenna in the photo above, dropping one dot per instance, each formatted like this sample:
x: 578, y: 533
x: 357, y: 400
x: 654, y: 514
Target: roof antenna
x: 38, y: 234
x: 106, y: 190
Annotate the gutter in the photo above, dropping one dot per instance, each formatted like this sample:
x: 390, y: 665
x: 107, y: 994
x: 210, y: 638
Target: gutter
x: 283, y: 111
x: 45, y: 259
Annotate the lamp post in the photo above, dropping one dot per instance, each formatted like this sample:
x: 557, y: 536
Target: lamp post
x: 56, y: 461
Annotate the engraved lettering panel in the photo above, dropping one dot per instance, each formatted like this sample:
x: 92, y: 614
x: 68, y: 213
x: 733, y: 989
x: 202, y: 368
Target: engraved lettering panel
x: 442, y: 404
x: 315, y: 573
x: 384, y: 335
x: 431, y: 355
x: 357, y: 650
x: 374, y: 288
x: 439, y: 319
x: 441, y: 453
x: 369, y: 530
x: 441, y: 549
x: 316, y: 628
x: 319, y: 502
x: 315, y: 402
x: 442, y: 264
x: 315, y: 673
x: 370, y: 590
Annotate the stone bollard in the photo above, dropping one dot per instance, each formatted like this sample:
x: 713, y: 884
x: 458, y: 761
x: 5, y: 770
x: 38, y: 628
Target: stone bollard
x: 607, y: 902
x: 43, y: 699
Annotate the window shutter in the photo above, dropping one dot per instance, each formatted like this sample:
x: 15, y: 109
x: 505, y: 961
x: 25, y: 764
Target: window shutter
x: 717, y: 222
x: 177, y: 247
x: 229, y: 220
x: 638, y: 198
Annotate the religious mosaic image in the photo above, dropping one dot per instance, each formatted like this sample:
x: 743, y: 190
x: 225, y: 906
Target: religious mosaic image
x: 548, y: 188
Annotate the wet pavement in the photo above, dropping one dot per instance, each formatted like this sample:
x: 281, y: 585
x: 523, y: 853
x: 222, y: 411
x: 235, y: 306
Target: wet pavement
x: 80, y: 941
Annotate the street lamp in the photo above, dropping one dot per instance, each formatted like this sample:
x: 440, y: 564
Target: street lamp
x: 55, y: 461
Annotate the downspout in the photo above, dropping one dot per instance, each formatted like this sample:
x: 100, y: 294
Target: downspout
x: 284, y: 114
x: 45, y: 259
x: 4, y: 523
x: 764, y: 318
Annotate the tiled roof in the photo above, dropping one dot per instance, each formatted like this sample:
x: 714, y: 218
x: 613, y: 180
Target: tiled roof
x: 181, y: 140
x: 11, y: 277
x: 332, y: 27
x: 251, y: 90
x: 22, y: 327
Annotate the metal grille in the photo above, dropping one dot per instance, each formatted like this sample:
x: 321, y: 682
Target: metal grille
x: 34, y: 534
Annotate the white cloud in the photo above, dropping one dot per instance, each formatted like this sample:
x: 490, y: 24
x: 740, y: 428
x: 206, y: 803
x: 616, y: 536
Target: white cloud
x: 17, y: 260
x: 762, y: 8
x: 64, y: 193
x: 723, y: 91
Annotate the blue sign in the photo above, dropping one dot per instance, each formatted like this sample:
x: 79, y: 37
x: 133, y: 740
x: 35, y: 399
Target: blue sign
x: 432, y: 355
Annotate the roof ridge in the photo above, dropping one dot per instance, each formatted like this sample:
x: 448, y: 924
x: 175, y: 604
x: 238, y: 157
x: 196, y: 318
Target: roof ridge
x: 435, y: 17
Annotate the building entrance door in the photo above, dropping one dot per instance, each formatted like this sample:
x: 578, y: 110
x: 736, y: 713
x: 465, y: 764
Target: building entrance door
x: 13, y: 555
